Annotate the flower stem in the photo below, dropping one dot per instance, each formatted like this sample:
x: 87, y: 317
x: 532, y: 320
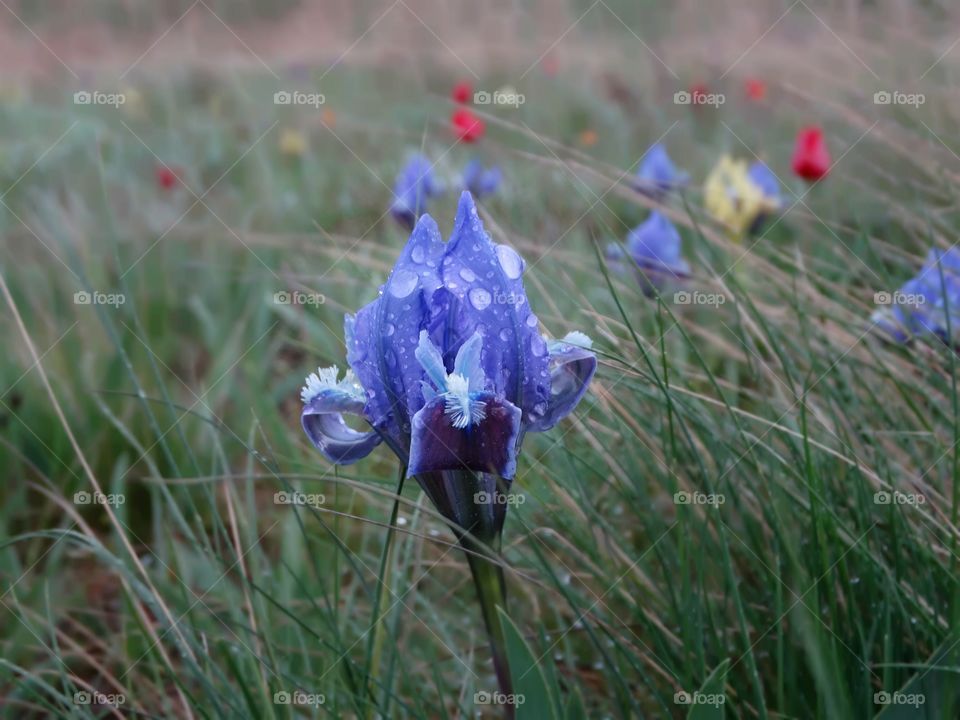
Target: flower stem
x: 492, y: 592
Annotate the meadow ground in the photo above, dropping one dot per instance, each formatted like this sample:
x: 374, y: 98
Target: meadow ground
x: 752, y: 513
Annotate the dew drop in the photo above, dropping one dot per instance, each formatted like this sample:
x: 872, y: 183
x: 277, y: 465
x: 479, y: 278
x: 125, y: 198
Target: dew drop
x: 467, y: 274
x: 480, y: 298
x: 418, y: 254
x: 505, y: 335
x: 537, y: 346
x: 388, y: 329
x: 403, y: 283
x: 532, y: 321
x: 510, y: 261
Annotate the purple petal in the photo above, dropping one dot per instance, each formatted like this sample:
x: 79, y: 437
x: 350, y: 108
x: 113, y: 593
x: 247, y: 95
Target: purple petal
x: 485, y: 283
x: 488, y: 446
x: 382, y: 337
x: 657, y: 174
x: 571, y: 369
x: 322, y: 421
x: 413, y: 187
x: 480, y: 181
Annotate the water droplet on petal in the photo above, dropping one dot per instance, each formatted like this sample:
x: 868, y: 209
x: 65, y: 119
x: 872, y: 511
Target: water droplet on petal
x: 480, y: 298
x: 418, y: 254
x: 388, y: 329
x: 505, y: 335
x: 532, y: 320
x: 467, y: 274
x: 510, y: 261
x: 537, y: 346
x: 403, y: 283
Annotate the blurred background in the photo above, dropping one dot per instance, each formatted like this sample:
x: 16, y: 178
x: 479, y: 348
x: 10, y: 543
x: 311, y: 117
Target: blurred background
x: 179, y: 244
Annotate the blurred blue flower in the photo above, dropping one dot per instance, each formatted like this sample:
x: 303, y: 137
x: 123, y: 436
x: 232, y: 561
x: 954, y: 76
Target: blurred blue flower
x: 763, y: 177
x: 654, y: 251
x: 415, y: 184
x: 657, y: 174
x: 480, y: 181
x: 927, y: 304
x: 449, y: 369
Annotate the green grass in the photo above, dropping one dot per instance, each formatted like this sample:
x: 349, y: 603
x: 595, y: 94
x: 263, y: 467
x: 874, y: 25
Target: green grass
x: 798, y: 597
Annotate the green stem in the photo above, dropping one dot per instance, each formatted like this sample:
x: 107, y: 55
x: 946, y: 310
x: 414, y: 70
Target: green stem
x: 375, y: 646
x: 492, y: 592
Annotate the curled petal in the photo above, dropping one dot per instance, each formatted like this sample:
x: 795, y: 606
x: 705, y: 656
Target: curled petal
x: 572, y: 366
x: 489, y: 445
x: 322, y: 420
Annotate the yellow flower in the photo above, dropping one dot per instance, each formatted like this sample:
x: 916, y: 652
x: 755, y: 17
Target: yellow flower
x: 292, y: 142
x: 732, y: 198
x: 133, y: 103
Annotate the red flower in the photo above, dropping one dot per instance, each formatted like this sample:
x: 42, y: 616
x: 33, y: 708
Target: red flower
x: 811, y: 159
x: 551, y: 65
x: 167, y: 177
x: 467, y: 126
x: 698, y: 93
x: 756, y: 88
x: 462, y: 92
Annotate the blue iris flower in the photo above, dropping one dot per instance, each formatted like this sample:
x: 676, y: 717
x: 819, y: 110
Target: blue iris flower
x: 763, y: 177
x: 654, y: 247
x: 927, y: 304
x: 449, y: 369
x: 657, y: 174
x: 480, y: 181
x: 413, y: 187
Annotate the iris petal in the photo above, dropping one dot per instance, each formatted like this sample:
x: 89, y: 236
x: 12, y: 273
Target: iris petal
x: 432, y: 361
x: 488, y: 446
x: 572, y: 366
x: 486, y: 288
x: 322, y: 421
x: 467, y: 362
x: 383, y: 334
